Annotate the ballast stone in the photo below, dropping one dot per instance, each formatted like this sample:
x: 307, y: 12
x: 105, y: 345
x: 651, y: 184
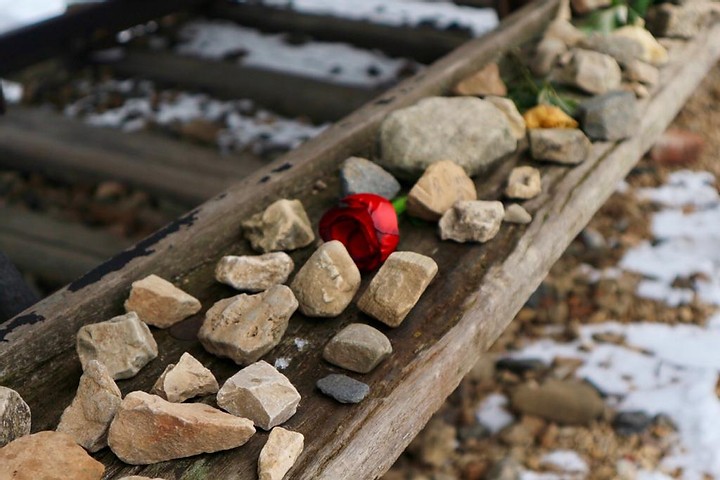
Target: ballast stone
x: 358, y: 348
x: 284, y: 225
x: 524, y: 183
x: 14, y: 416
x: 442, y: 184
x: 281, y: 451
x: 254, y: 273
x: 343, y: 388
x: 159, y: 303
x: 359, y: 175
x: 472, y: 221
x: 187, y: 379
x: 568, y: 146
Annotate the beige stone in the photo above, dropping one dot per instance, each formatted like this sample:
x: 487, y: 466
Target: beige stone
x: 547, y: 53
x: 568, y: 146
x: 279, y: 454
x: 246, y: 327
x: 328, y: 281
x: 357, y: 347
x: 562, y: 401
x: 652, y: 52
x: 590, y: 71
x: 187, y: 379
x: 14, y: 416
x: 148, y: 429
x: 442, y: 184
x: 472, y: 221
x: 254, y: 273
x: 642, y: 72
x: 160, y: 303
x: 261, y: 393
x: 515, y: 213
x: 397, y: 287
x: 284, y: 225
x: 507, y: 106
x: 88, y: 417
x: 564, y: 31
x: 524, y: 183
x: 484, y: 82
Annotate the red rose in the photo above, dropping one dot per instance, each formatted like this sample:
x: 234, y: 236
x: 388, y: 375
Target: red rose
x: 367, y: 225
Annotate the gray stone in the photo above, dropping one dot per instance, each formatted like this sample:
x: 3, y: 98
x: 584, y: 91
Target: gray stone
x: 187, y: 379
x: 567, y: 402
x: 284, y: 225
x: 358, y: 348
x: 642, y: 72
x: 623, y: 49
x: 568, y: 146
x: 508, y: 108
x: 629, y: 423
x: 14, y: 416
x: 279, y: 454
x: 590, y: 71
x: 681, y: 21
x: 123, y: 344
x: 613, y: 116
x: 159, y: 303
x: 586, y: 6
x: 254, y: 273
x: 358, y: 175
x: 467, y: 130
x: 442, y: 184
x: 515, y: 213
x: 472, y: 221
x: 524, y: 183
x: 343, y: 388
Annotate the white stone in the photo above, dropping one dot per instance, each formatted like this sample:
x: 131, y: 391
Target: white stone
x: 472, y: 221
x: 281, y: 451
x: 284, y: 225
x: 524, y: 183
x: 160, y: 303
x: 515, y: 213
x: 187, y: 379
x: 254, y: 273
x: 508, y: 108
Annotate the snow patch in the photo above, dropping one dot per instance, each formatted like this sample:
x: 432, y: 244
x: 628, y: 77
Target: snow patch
x: 13, y: 91
x: 492, y: 413
x: 565, y: 460
x: 300, y: 343
x: 281, y: 363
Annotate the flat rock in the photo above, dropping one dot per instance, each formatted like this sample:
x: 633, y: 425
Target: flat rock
x: 624, y: 49
x: 637, y: 71
x: 358, y: 348
x: 359, y: 175
x: 650, y: 49
x: 524, y: 183
x: 613, y: 116
x: 442, y: 184
x: 261, y: 393
x: 246, y: 327
x: 484, y: 82
x: 160, y: 303
x: 397, y: 287
x: 343, y: 388
x: 472, y: 221
x: 284, y: 225
x: 48, y: 456
x: 281, y: 451
x: 568, y: 402
x: 508, y: 108
x: 88, y: 417
x: 515, y: 213
x: 548, y: 116
x: 590, y: 71
x: 14, y: 416
x: 148, y: 429
x: 582, y: 7
x: 467, y: 130
x: 187, y: 379
x: 560, y: 145
x: 123, y: 344
x: 254, y: 273
x: 328, y: 281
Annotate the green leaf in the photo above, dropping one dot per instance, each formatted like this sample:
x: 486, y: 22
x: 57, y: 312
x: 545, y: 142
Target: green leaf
x: 549, y: 96
x: 400, y: 205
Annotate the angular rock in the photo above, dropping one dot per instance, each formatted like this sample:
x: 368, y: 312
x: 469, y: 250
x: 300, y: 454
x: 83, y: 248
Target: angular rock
x: 148, y: 429
x: 561, y: 145
x: 650, y: 49
x: 397, y: 287
x: 246, y: 327
x: 358, y: 175
x: 14, y: 416
x: 564, y: 31
x: 254, y: 273
x: 358, y: 348
x: 590, y: 71
x: 524, y: 183
x: 568, y: 402
x: 123, y: 344
x: 515, y: 213
x: 469, y: 131
x: 681, y: 21
x: 623, y: 49
x: 507, y: 107
x: 186, y: 379
x: 637, y: 71
x: 284, y: 225
x: 582, y: 7
x: 88, y: 417
x: 48, y: 456
x: 328, y: 281
x: 612, y: 116
x: 160, y: 303
x: 484, y: 82
x: 548, y: 116
x: 472, y: 221
x: 442, y: 184
x: 343, y: 388
x: 280, y: 453
x: 261, y: 393
x: 547, y: 53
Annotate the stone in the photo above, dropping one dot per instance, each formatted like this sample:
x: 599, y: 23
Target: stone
x: 613, y: 116
x: 358, y: 348
x: 397, y: 287
x: 14, y: 416
x: 548, y: 116
x: 123, y: 344
x: 623, y: 49
x: 261, y: 393
x: 47, y: 456
x: 677, y: 147
x: 637, y: 89
x: 246, y: 327
x: 284, y: 225
x: 637, y: 71
x: 438, y: 442
x: 281, y: 451
x: 328, y: 281
x: 564, y: 31
x: 508, y: 108
x: 515, y: 213
x: 187, y: 379
x: 567, y: 402
x: 467, y: 130
x: 254, y: 273
x: 484, y: 82
x: 633, y: 422
x: 88, y: 417
x: 582, y: 7
x: 472, y: 221
x: 159, y: 303
x: 590, y: 71
x: 506, y: 469
x: 358, y: 175
x: 650, y: 49
x: 524, y: 183
x: 148, y: 429
x: 343, y: 388
x: 547, y: 53
x: 681, y: 21
x: 442, y: 184
x: 568, y: 146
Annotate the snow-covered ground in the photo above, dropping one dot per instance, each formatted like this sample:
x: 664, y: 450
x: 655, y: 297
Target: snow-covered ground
x: 17, y: 13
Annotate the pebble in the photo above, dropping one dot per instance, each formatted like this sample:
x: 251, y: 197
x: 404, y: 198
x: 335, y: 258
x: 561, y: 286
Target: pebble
x: 281, y: 451
x: 187, y: 379
x: 261, y: 393
x: 88, y: 417
x: 637, y: 71
x: 343, y: 388
x: 397, y: 287
x: 14, y: 416
x: 472, y: 221
x: 486, y: 81
x: 547, y: 53
x: 160, y: 303
x: 515, y: 213
x: 148, y: 429
x: 586, y: 6
x: 524, y: 183
x: 564, y: 31
x: 567, y: 402
x: 506, y: 469
x: 636, y: 88
x: 613, y: 116
x: 328, y: 281
x: 48, y: 456
x: 358, y: 348
x: 254, y: 273
x: 568, y: 146
x: 650, y: 49
x: 246, y: 327
x: 681, y: 21
x: 548, y: 116
x: 629, y: 423
x: 442, y: 184
x: 441, y: 128
x: 359, y: 175
x: 622, y: 48
x: 123, y: 344
x: 508, y: 108
x: 284, y: 225
x: 590, y: 71
x: 519, y: 366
